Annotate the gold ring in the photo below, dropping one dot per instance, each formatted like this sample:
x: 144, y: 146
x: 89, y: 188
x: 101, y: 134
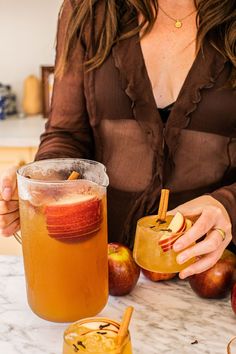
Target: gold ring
x: 221, y: 232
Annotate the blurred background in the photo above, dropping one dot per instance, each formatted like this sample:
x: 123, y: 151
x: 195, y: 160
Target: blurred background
x: 27, y: 38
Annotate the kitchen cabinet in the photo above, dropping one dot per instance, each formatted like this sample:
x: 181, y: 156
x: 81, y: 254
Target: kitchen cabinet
x: 10, y: 156
x: 19, y: 140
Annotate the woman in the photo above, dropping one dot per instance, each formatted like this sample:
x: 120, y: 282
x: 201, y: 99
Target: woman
x: 148, y: 89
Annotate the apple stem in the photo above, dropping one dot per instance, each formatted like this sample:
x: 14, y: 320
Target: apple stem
x: 123, y: 330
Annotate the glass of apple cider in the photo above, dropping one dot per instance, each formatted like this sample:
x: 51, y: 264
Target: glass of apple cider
x: 231, y: 347
x: 64, y: 237
x: 95, y: 335
x: 153, y: 247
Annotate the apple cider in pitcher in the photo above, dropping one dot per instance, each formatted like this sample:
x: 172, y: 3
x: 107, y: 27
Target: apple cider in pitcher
x: 64, y: 240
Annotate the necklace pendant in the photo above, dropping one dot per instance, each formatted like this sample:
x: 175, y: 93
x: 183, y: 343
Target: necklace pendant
x: 178, y: 24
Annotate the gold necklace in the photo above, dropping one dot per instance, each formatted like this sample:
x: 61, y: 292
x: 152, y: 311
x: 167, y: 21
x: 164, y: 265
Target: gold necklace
x: 178, y: 22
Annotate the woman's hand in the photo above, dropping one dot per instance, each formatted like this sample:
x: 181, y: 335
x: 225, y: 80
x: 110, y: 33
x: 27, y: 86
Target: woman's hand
x: 9, y: 209
x: 212, y: 215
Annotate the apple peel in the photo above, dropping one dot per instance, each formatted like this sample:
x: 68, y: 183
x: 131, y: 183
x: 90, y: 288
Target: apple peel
x: 74, y: 220
x: 178, y: 225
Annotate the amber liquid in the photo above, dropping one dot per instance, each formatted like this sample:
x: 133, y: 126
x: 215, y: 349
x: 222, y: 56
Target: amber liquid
x: 66, y: 280
x: 148, y: 253
x: 81, y: 337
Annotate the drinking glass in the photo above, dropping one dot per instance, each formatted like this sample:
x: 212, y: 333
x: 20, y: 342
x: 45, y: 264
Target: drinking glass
x: 96, y: 336
x: 151, y: 252
x: 231, y: 347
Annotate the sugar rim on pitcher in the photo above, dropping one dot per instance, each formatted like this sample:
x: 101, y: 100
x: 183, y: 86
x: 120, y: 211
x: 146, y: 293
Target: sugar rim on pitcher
x: 61, y: 159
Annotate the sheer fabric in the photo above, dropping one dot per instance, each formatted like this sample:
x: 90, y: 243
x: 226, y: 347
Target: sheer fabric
x: 110, y: 115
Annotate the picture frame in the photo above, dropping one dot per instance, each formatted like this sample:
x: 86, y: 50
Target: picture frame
x: 47, y: 77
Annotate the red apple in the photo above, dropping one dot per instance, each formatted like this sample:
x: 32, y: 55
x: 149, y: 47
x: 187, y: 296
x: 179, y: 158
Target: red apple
x: 154, y: 276
x: 233, y: 298
x: 123, y: 271
x: 229, y: 257
x: 73, y: 218
x: 217, y: 281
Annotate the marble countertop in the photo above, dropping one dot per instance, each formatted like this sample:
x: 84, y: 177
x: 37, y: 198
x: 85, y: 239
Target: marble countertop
x: 168, y: 318
x: 21, y: 132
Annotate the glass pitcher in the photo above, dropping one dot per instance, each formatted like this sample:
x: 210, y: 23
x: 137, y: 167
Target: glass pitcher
x: 64, y: 237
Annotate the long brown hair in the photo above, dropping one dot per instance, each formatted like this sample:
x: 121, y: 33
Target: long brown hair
x: 216, y: 21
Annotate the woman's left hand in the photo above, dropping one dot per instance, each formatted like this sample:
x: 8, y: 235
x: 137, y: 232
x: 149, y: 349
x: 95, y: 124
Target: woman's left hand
x: 214, y: 222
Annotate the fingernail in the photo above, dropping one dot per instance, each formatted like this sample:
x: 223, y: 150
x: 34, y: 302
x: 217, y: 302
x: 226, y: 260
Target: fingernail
x: 6, y: 193
x: 178, y: 246
x: 184, y: 275
x: 181, y: 259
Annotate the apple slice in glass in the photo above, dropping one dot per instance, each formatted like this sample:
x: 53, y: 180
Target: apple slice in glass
x: 167, y: 239
x: 189, y: 224
x: 177, y: 224
x: 74, y: 217
x: 177, y: 227
x: 167, y: 244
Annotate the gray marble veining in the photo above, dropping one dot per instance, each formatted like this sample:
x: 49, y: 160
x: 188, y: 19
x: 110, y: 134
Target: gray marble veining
x: 168, y: 318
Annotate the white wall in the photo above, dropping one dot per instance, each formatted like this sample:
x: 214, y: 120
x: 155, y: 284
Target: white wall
x: 27, y: 39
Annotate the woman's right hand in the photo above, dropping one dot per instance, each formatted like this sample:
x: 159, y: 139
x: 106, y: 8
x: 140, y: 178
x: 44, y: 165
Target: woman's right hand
x: 9, y: 208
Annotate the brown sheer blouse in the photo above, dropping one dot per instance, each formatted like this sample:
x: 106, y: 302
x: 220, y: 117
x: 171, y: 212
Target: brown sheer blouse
x: 110, y: 115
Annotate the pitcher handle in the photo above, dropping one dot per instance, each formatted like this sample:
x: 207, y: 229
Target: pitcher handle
x: 17, y: 237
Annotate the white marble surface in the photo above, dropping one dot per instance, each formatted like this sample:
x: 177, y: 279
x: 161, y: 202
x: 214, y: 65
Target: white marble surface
x: 21, y: 132
x: 168, y: 317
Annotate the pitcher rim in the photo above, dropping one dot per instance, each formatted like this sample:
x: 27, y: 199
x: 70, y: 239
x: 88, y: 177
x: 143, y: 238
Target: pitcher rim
x: 39, y: 181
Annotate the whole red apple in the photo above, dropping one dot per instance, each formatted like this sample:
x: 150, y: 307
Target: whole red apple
x: 229, y: 257
x: 123, y: 271
x: 217, y: 281
x: 154, y: 276
x: 233, y: 298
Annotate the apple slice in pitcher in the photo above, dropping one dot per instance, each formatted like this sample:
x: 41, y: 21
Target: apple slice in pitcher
x: 74, y: 217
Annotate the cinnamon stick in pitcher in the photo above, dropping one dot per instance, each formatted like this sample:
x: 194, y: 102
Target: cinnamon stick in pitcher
x: 74, y: 175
